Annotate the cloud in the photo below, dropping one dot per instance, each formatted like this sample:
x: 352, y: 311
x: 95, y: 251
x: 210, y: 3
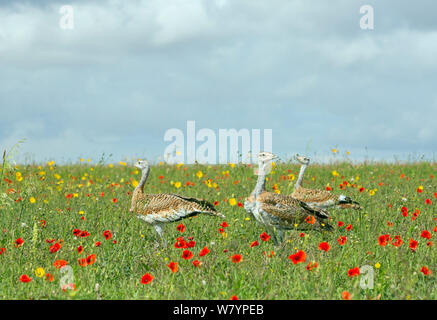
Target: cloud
x: 130, y: 70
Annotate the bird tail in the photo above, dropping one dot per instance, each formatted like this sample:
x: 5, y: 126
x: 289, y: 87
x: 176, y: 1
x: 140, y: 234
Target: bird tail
x: 345, y: 202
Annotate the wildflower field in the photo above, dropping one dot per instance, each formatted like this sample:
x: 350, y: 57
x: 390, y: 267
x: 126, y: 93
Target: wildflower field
x: 66, y: 233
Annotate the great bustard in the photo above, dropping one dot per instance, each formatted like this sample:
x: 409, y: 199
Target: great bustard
x: 317, y: 198
x: 281, y: 212
x: 157, y: 209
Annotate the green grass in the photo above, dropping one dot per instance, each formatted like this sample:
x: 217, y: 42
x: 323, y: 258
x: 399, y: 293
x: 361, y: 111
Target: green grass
x: 119, y: 266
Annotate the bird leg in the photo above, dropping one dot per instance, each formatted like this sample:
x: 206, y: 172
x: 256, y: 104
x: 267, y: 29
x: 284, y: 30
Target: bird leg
x: 158, y: 229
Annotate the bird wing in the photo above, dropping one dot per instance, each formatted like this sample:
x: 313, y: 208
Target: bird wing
x: 173, y: 207
x: 313, y: 195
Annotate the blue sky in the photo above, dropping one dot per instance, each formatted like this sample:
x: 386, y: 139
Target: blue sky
x: 130, y: 70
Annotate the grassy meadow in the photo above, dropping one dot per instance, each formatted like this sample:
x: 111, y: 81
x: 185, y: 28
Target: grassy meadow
x: 66, y: 233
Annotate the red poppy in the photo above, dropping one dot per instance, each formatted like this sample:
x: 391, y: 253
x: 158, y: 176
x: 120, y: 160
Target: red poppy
x: 54, y: 248
x: 353, y: 272
x: 425, y: 271
x: 82, y: 262
x: 404, y: 211
x: 413, y: 244
x: 345, y: 295
x: 114, y: 200
x: 310, y: 219
x: 328, y: 188
x: 426, y: 234
x: 196, y: 263
x: 298, y: 257
x: 342, y: 240
x: 324, y: 246
x: 384, y: 240
x: 19, y: 242
x: 191, y: 244
x: 107, y: 234
x: 419, y: 190
x: 180, y: 228
x: 173, y: 266
x: 236, y: 258
x: 76, y: 232
x: 435, y: 229
x: 80, y: 249
x: 221, y: 230
x: 91, y: 259
x: 224, y: 224
x: 59, y: 264
x: 187, y: 255
x: 24, y: 278
x: 97, y: 244
x: 429, y: 244
x: 84, y: 234
x: 428, y: 201
x: 311, y: 266
x: 349, y: 227
x: 301, y: 234
x: 49, y: 277
x: 340, y: 224
x: 216, y: 203
x: 254, y: 244
x: 264, y: 236
x: 146, y: 279
x: 234, y: 297
x: 398, y: 241
x: 2, y: 250
x: 180, y: 243
x: 204, y: 252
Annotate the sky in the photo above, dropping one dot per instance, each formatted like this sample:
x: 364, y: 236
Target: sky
x: 128, y: 71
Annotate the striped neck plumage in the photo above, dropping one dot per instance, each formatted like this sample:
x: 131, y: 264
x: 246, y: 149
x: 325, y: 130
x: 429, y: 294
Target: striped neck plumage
x: 300, y: 178
x: 144, y: 176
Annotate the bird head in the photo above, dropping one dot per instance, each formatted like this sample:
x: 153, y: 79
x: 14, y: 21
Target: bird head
x: 265, y: 156
x: 142, y: 164
x: 302, y: 159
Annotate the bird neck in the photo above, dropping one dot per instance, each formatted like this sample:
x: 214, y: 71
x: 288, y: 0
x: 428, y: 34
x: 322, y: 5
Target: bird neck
x: 144, y: 176
x: 261, y: 182
x: 300, y: 178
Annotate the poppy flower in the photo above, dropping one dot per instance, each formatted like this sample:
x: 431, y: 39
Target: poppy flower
x: 310, y: 219
x: 180, y: 228
x: 383, y: 240
x: 428, y: 201
x: 404, y: 211
x: 345, y: 295
x: 426, y: 234
x: 340, y: 224
x: 82, y: 262
x: 173, y: 266
x: 328, y: 188
x: 216, y: 203
x: 191, y: 244
x: 311, y: 266
x: 114, y: 200
x: 425, y: 271
x: 353, y: 272
x: 107, y: 234
x: 298, y: 257
x: 187, y: 255
x: 19, y: 242
x: 83, y: 234
x: 54, y: 248
x: 349, y: 227
x: 254, y: 244
x: 91, y: 259
x: 234, y: 297
x: 398, y: 241
x: 413, y: 244
x: 301, y: 234
x: 324, y: 246
x: 76, y: 232
x: 49, y: 277
x: 146, y: 278
x: 264, y: 236
x: 224, y: 224
x: 180, y: 243
x: 79, y: 249
x: 2, y: 250
x: 221, y: 230
x: 429, y: 244
x: 196, y: 263
x: 204, y: 252
x: 97, y: 244
x: 236, y: 258
x: 342, y: 240
x: 25, y: 278
x: 59, y: 264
